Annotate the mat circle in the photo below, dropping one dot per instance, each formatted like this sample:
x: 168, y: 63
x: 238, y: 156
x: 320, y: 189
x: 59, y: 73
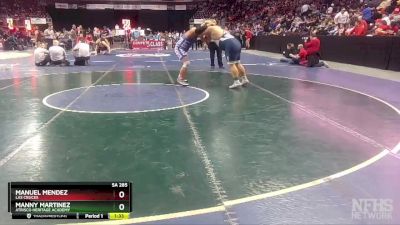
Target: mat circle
x: 125, y: 98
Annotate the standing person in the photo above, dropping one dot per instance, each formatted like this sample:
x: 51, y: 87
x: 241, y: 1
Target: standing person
x: 182, y: 47
x: 215, y: 48
x: 49, y: 36
x: 232, y: 48
x: 81, y: 52
x: 248, y: 36
x: 38, y: 36
x: 73, y: 34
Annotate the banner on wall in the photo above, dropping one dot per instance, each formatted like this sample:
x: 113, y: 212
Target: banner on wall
x: 126, y: 7
x: 10, y: 23
x: 120, y: 6
x: 38, y: 21
x: 126, y: 24
x: 154, y: 7
x: 180, y: 7
x: 28, y: 25
x: 99, y: 6
x: 61, y: 5
x: 151, y: 44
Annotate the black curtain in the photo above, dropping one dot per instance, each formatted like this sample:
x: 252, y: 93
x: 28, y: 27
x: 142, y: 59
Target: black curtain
x: 163, y: 20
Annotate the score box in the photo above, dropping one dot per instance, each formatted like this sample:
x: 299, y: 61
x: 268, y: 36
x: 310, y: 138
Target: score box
x: 69, y: 198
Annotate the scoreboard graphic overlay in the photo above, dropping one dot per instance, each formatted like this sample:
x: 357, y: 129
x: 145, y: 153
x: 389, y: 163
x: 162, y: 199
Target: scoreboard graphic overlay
x: 70, y: 200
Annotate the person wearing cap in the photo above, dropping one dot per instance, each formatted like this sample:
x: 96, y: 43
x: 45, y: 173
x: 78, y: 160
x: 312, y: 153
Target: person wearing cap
x: 58, y: 55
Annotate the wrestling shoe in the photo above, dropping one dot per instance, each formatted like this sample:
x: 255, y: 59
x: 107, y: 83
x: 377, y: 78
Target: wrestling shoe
x: 235, y: 84
x: 182, y: 82
x: 245, y: 81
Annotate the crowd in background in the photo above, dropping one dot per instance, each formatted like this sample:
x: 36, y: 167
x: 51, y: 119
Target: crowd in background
x: 22, y: 9
x: 326, y: 17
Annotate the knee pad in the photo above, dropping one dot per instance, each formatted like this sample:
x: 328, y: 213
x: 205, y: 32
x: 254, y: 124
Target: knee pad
x: 186, y: 64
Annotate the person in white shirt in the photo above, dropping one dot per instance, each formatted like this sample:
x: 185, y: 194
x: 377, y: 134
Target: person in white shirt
x: 81, y: 52
x: 41, y: 54
x: 342, y: 18
x: 58, y: 55
x: 49, y: 36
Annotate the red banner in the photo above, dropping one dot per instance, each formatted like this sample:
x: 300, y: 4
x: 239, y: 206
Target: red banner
x: 151, y: 44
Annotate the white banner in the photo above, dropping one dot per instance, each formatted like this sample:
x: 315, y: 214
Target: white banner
x: 180, y: 7
x: 126, y: 24
x: 99, y: 6
x: 10, y: 23
x: 28, y: 25
x: 38, y: 21
x: 154, y: 7
x: 61, y: 5
x: 126, y: 7
x: 120, y: 32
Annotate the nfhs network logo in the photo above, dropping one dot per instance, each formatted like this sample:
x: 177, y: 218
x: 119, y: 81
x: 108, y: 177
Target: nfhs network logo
x: 373, y: 209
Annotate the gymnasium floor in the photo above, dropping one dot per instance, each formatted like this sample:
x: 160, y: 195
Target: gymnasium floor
x: 296, y: 146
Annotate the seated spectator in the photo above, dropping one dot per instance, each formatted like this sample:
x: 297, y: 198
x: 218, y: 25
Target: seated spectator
x: 301, y: 57
x: 81, y: 52
x: 289, y: 52
x: 102, y: 46
x: 368, y: 14
x: 58, y: 55
x: 382, y: 28
x: 41, y: 54
x: 361, y: 28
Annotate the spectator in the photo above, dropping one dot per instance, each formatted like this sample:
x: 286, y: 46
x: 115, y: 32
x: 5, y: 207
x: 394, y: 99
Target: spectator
x: 361, y: 28
x: 342, y: 18
x: 289, y: 53
x: 41, y: 54
x: 312, y: 46
x: 248, y: 35
x: 58, y: 56
x: 81, y: 52
x: 49, y: 36
x: 301, y: 57
x: 367, y: 14
x: 213, y: 47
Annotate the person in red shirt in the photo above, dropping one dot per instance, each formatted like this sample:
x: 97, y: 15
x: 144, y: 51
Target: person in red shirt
x: 382, y: 28
x: 89, y: 41
x: 249, y: 35
x: 313, y: 45
x: 301, y: 57
x: 361, y: 28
